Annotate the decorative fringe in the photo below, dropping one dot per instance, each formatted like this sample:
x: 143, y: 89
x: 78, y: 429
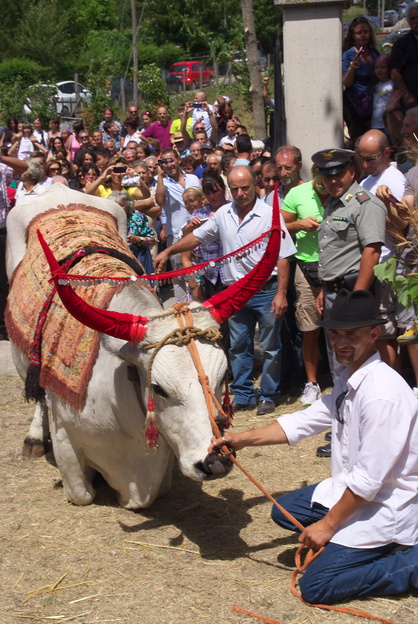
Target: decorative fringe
x: 151, y: 427
x: 33, y: 389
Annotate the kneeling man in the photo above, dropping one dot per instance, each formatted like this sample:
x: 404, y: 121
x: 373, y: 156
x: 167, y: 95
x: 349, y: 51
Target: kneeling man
x: 368, y: 507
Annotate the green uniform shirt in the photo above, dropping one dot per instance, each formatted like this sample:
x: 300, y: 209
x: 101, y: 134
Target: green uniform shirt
x: 350, y: 223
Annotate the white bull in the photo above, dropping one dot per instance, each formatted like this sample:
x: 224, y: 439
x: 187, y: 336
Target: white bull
x: 107, y: 434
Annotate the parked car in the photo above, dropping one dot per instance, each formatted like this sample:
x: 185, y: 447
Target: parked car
x: 193, y: 70
x: 387, y: 42
x: 390, y: 18
x: 261, y: 57
x: 63, y: 95
x: 172, y: 85
x: 401, y: 8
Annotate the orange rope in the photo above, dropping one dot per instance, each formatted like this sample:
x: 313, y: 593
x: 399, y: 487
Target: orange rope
x: 182, y: 309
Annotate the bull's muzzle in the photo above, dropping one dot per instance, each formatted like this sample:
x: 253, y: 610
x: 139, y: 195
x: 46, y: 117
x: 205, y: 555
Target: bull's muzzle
x: 216, y: 466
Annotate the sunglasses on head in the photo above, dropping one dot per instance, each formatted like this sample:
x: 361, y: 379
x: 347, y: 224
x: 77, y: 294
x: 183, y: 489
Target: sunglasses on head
x: 146, y: 113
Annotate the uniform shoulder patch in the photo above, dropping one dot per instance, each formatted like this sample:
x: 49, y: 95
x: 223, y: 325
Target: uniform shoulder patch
x: 362, y: 197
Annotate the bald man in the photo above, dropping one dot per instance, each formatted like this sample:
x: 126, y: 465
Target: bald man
x: 237, y: 224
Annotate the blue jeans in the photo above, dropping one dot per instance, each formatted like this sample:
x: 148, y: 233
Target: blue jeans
x: 241, y: 353
x: 341, y: 572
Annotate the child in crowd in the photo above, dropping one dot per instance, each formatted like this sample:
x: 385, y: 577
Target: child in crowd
x: 193, y: 201
x: 382, y: 91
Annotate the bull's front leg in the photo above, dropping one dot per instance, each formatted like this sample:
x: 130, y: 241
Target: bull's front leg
x: 76, y: 476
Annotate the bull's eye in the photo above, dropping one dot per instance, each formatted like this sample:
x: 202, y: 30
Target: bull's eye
x: 158, y: 390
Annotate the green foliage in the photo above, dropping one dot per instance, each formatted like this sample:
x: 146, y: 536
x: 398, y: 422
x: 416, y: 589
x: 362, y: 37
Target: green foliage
x: 23, y: 71
x: 406, y: 288
x: 12, y: 99
x: 42, y: 102
x: 242, y: 84
x: 98, y: 76
x: 152, y: 86
x: 43, y: 35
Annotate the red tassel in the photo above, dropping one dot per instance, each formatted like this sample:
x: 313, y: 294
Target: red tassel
x: 151, y: 427
x: 227, y: 408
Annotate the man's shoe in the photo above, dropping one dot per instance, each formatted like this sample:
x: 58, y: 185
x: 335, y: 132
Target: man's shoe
x: 324, y: 451
x: 241, y: 407
x: 410, y: 336
x: 265, y: 407
x: 328, y: 436
x: 311, y: 393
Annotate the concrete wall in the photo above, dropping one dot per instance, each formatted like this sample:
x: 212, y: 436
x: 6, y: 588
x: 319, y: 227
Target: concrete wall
x: 312, y: 38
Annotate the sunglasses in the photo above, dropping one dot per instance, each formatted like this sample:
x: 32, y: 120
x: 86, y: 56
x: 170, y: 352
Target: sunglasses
x: 369, y: 158
x: 338, y: 403
x: 146, y: 113
x: 55, y: 169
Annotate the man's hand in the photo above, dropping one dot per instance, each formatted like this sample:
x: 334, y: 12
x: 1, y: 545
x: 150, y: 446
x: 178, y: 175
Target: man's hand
x: 316, y: 535
x: 161, y: 260
x: 409, y: 100
x: 279, y: 305
x: 310, y: 224
x: 320, y: 302
x: 233, y: 440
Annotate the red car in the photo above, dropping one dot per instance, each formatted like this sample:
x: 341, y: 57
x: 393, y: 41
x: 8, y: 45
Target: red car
x: 193, y: 70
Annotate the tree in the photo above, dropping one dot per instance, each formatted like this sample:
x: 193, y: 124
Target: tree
x: 258, y: 109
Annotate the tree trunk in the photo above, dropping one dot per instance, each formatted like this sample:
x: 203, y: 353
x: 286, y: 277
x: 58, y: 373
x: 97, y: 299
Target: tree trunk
x: 254, y: 69
x: 134, y: 52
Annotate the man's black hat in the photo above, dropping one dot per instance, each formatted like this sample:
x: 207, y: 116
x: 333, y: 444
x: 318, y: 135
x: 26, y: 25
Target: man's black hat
x: 351, y: 310
x: 332, y: 161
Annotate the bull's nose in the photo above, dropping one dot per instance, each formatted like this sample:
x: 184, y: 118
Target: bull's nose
x: 215, y: 466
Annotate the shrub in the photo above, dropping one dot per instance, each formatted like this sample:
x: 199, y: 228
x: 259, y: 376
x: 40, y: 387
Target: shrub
x: 23, y: 71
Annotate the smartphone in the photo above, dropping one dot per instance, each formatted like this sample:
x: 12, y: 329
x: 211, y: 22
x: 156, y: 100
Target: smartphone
x: 393, y: 200
x: 361, y: 50
x: 202, y: 221
x: 119, y: 169
x: 197, y: 105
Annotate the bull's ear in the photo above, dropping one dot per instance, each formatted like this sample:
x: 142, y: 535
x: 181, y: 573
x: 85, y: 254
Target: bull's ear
x: 226, y: 303
x: 124, y: 326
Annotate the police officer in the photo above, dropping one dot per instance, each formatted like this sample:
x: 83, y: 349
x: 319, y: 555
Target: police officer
x: 351, y: 233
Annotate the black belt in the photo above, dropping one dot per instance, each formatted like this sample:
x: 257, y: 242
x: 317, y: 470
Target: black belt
x: 348, y: 281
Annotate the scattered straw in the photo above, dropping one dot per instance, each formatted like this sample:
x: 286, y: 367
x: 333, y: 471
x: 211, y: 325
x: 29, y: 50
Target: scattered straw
x: 193, y: 552
x: 51, y: 589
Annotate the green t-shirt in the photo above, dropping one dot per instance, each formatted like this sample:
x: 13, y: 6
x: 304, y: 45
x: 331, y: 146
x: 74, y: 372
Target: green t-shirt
x: 303, y: 201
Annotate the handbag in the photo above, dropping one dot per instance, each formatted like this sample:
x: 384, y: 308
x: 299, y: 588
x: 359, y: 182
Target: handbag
x: 310, y: 271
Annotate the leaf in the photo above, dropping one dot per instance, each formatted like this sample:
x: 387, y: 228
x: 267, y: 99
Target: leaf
x: 386, y: 272
x: 413, y: 288
x: 400, y: 286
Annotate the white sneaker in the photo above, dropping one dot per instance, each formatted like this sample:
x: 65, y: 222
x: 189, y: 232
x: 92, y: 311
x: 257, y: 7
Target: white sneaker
x: 311, y: 393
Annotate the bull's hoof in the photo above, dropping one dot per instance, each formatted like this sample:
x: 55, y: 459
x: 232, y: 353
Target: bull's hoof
x: 33, y: 449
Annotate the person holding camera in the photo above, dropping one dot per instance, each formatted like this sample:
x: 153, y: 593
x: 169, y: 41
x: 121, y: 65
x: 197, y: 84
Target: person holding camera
x: 112, y: 180
x: 170, y: 198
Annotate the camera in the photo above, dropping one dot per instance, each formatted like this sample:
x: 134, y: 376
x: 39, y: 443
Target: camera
x: 197, y: 105
x: 165, y: 161
x: 119, y: 169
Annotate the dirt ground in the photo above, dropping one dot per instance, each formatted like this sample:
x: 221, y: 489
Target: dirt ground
x: 186, y: 560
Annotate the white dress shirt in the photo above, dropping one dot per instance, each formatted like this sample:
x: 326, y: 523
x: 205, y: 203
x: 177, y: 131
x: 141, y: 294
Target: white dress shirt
x: 374, y: 454
x: 225, y: 225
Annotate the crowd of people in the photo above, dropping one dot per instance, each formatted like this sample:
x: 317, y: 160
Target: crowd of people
x: 198, y: 187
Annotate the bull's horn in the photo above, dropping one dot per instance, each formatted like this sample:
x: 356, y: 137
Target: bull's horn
x: 124, y: 326
x: 226, y: 303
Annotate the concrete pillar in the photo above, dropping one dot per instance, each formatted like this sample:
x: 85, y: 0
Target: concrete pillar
x: 312, y: 39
